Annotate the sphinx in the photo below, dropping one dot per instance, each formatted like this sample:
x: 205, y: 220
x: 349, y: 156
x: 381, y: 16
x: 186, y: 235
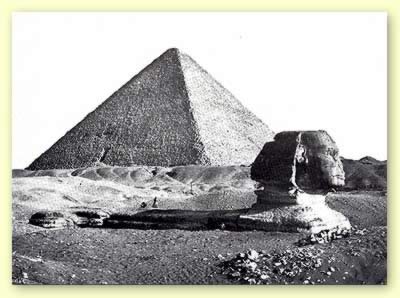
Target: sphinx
x: 302, y: 160
x: 296, y: 171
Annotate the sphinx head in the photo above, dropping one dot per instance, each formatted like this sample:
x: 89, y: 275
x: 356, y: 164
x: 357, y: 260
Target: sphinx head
x: 321, y: 163
x: 305, y: 159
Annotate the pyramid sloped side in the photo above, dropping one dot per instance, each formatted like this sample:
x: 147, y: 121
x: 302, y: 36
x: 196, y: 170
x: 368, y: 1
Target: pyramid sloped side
x: 146, y: 122
x: 230, y: 133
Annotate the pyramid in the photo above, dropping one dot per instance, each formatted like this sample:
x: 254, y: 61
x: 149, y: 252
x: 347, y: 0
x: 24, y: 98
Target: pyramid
x: 171, y: 113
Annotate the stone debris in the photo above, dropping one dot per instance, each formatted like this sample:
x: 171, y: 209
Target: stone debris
x: 255, y: 267
x: 325, y: 236
x: 89, y: 218
x: 252, y: 255
x: 360, y: 232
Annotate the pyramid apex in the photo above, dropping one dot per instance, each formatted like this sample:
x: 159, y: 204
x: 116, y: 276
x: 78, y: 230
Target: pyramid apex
x: 172, y: 51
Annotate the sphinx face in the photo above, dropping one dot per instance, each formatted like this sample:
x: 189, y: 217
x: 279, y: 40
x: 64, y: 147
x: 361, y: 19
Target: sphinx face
x: 308, y: 160
x: 331, y: 168
x: 324, y: 160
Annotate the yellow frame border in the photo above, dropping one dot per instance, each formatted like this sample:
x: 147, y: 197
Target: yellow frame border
x: 9, y: 6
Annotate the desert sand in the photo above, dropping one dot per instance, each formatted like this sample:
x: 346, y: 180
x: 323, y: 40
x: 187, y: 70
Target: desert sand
x: 192, y: 254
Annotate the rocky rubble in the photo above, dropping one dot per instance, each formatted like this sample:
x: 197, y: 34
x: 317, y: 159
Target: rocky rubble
x: 262, y: 267
x: 310, y: 264
x: 325, y: 236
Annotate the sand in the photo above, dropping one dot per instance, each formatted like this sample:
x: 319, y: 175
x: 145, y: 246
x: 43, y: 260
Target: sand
x: 170, y: 256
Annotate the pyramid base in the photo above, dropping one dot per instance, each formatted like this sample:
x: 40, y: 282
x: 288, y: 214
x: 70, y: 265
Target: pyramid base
x: 301, y: 212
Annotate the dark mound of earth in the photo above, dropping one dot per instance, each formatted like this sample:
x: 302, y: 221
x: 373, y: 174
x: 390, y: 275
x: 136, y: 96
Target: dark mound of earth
x: 366, y: 173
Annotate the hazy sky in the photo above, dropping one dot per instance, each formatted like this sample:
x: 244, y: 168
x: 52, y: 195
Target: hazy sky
x: 295, y: 71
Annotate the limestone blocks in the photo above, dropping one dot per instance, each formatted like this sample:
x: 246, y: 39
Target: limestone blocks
x: 69, y: 219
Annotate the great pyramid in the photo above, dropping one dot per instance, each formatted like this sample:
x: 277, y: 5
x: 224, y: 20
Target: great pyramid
x: 171, y: 113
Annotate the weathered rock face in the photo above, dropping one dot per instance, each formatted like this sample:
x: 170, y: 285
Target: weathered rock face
x: 308, y: 160
x: 50, y: 220
x: 299, y: 212
x: 295, y: 162
x: 63, y: 219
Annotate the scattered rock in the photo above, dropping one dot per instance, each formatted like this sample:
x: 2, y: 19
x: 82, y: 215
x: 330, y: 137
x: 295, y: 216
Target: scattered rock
x: 266, y: 268
x: 360, y: 232
x: 325, y: 236
x: 252, y: 255
x: 89, y: 217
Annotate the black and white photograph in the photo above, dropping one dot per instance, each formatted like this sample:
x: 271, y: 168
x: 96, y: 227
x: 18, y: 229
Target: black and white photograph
x: 199, y: 148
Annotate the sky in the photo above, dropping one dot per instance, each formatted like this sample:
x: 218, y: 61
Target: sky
x: 295, y: 71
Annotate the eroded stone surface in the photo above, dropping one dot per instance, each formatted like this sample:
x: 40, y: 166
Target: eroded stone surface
x: 308, y: 160
x: 50, y: 220
x: 301, y: 212
x: 295, y: 171
x: 69, y: 218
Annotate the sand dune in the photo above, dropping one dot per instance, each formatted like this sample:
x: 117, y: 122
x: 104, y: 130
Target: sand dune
x: 122, y: 190
x: 234, y: 176
x: 366, y: 173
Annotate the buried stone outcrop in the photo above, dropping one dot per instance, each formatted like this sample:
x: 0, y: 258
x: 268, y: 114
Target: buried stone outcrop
x: 66, y: 219
x: 50, y: 220
x: 296, y: 170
